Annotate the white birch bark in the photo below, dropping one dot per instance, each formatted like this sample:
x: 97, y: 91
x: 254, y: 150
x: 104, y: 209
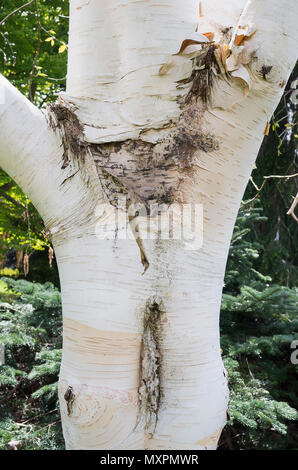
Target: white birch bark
x: 121, y: 94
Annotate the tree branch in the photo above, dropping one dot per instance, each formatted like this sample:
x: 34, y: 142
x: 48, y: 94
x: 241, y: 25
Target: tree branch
x: 244, y: 203
x: 29, y: 149
x: 291, y: 211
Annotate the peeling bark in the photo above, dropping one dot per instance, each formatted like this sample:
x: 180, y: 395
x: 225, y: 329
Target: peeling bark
x: 151, y: 364
x: 145, y: 171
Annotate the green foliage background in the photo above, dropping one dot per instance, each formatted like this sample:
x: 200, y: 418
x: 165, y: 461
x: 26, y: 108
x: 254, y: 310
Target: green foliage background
x: 25, y: 52
x: 259, y: 306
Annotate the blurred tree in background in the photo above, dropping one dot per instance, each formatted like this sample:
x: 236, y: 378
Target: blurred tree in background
x: 258, y: 325
x: 279, y: 156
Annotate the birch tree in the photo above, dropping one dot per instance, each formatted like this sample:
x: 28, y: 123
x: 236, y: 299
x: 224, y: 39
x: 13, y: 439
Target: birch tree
x: 166, y: 106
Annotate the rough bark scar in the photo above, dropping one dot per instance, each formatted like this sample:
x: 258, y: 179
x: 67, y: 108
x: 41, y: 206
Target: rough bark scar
x: 151, y: 172
x: 69, y: 397
x: 149, y: 391
x: 145, y: 172
x: 63, y: 117
x: 265, y: 70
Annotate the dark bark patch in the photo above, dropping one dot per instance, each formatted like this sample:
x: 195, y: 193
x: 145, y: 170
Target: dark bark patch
x: 265, y: 70
x: 65, y: 119
x: 205, y: 69
x: 227, y: 33
x: 146, y: 172
x: 149, y: 391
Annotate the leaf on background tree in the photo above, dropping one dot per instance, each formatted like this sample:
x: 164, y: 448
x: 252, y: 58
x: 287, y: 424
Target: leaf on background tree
x: 62, y: 48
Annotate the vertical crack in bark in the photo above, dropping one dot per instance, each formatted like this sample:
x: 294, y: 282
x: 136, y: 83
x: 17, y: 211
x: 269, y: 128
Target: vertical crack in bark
x: 149, y: 391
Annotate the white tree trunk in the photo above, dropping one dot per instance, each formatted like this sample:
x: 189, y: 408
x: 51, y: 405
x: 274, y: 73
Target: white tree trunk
x: 141, y: 364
